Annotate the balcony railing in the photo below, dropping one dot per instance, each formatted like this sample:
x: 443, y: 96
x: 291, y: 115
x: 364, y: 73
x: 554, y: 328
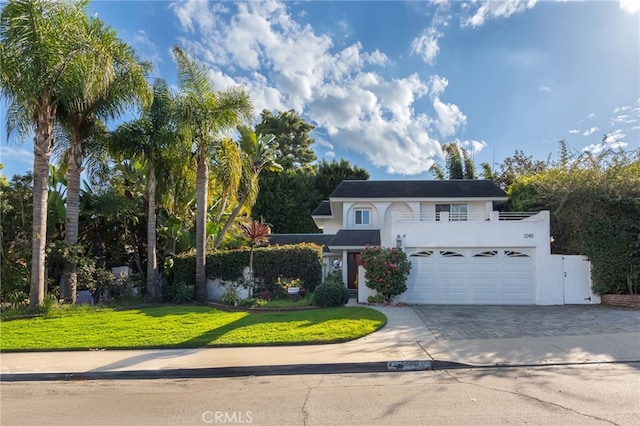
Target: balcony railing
x: 462, y: 217
x: 515, y: 215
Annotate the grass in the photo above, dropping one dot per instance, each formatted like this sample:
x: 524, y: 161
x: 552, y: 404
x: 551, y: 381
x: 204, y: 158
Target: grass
x: 82, y: 328
x: 307, y: 300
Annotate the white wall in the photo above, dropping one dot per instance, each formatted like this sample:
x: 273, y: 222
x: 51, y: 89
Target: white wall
x: 533, y: 232
x: 363, y: 291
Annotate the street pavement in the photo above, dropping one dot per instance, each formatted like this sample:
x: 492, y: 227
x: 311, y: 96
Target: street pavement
x: 415, y: 337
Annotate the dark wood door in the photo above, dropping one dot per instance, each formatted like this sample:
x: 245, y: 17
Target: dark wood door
x: 352, y: 270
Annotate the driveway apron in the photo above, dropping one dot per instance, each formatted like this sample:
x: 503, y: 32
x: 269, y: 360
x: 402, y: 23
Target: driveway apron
x: 457, y: 322
x: 527, y: 335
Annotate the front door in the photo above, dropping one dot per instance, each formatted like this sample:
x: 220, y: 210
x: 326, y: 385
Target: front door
x: 352, y: 270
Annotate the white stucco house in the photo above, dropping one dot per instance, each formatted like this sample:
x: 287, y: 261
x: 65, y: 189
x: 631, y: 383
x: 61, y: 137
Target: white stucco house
x: 462, y: 250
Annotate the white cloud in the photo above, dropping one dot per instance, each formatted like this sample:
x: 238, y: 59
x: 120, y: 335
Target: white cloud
x: 285, y: 65
x: 490, y: 9
x: 574, y: 131
x: 472, y: 146
x: 591, y: 131
x: 613, y: 140
x: 598, y: 148
x: 15, y: 155
x: 544, y: 88
x: 630, y: 6
x: 449, y: 117
x: 438, y: 85
x: 426, y: 45
x: 614, y: 137
x: 323, y: 143
x: 591, y: 116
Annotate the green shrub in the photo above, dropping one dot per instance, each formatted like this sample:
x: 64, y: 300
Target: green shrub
x: 378, y: 298
x: 181, y: 268
x: 301, y: 260
x: 386, y: 270
x: 178, y: 292
x: 269, y: 263
x: 230, y: 298
x: 331, y: 294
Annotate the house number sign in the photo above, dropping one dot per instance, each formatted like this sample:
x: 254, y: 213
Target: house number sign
x: 528, y: 235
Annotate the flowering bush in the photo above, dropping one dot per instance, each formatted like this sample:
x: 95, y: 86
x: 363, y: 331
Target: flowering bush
x: 265, y: 295
x: 386, y: 270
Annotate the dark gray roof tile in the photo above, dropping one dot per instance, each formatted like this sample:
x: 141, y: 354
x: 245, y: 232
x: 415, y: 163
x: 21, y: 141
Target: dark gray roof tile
x: 356, y: 238
x: 457, y: 188
x: 324, y: 209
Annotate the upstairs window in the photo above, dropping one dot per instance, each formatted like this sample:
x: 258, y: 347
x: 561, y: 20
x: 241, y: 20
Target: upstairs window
x: 363, y: 216
x: 457, y: 212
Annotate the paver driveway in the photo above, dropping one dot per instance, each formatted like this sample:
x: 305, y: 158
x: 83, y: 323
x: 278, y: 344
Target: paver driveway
x: 449, y: 322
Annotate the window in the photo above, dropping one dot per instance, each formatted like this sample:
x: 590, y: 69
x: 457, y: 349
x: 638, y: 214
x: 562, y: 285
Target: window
x: 457, y: 212
x: 363, y: 217
x: 425, y: 253
x: 450, y: 253
x: 490, y: 253
x: 513, y: 253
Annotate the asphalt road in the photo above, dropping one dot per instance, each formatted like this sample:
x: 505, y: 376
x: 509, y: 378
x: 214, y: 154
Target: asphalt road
x: 580, y: 395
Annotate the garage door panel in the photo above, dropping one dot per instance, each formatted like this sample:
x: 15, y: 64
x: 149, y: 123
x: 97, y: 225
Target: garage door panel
x: 493, y: 276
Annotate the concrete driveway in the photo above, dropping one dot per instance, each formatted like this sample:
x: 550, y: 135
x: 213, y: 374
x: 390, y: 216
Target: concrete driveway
x: 530, y: 334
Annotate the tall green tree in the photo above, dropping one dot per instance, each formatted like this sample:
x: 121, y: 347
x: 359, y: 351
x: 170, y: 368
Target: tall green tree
x: 147, y: 139
x: 291, y: 132
x: 286, y: 199
x: 513, y: 168
x: 330, y: 174
x: 458, y: 164
x: 205, y: 114
x: 594, y: 200
x: 43, y: 45
x: 82, y: 119
x: 16, y: 212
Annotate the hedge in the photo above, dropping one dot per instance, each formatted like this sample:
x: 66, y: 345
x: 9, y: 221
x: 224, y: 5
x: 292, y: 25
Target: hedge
x: 289, y: 261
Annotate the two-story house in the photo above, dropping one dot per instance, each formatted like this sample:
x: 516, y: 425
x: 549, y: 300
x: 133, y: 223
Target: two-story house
x: 462, y: 250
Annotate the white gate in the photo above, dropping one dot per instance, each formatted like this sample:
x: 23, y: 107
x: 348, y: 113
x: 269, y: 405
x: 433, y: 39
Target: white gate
x: 576, y: 271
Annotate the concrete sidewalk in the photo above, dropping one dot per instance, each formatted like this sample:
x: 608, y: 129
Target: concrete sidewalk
x: 405, y: 337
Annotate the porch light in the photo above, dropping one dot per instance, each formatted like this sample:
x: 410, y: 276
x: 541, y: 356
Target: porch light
x: 398, y: 241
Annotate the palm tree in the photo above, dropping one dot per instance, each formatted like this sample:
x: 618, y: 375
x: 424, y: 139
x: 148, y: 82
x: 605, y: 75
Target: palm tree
x: 258, y: 153
x: 206, y: 114
x: 43, y: 44
x: 81, y: 118
x: 147, y: 138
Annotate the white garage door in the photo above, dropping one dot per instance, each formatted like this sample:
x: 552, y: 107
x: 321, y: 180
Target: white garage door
x: 501, y: 276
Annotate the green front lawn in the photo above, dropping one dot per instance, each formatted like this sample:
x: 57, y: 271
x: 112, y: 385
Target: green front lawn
x: 185, y: 327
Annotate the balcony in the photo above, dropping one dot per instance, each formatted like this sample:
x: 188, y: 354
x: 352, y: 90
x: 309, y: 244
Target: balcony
x: 463, y: 217
x: 519, y: 229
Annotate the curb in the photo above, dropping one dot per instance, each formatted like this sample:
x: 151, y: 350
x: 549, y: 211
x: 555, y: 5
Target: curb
x: 279, y: 370
x: 221, y: 372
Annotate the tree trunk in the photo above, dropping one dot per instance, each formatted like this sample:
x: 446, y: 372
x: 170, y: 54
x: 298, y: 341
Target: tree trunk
x: 202, y: 180
x: 153, y: 287
x: 230, y: 220
x: 70, y: 277
x: 42, y: 144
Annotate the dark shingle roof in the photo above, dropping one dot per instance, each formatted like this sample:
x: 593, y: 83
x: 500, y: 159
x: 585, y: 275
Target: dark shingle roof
x: 458, y: 188
x: 356, y: 238
x: 284, y: 239
x: 324, y: 209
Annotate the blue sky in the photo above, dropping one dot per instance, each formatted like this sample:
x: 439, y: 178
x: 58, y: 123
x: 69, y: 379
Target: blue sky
x: 386, y: 83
